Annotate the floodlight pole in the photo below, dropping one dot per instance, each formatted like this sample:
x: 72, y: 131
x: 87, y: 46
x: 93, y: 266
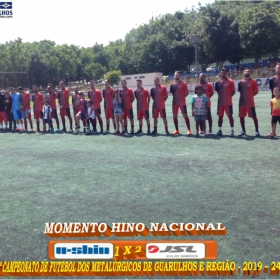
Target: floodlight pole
x: 195, y: 40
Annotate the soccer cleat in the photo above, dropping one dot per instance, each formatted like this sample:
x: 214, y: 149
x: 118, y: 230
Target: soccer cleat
x: 201, y: 132
x: 176, y: 132
x: 270, y: 135
x: 126, y: 131
x: 57, y: 130
x: 242, y: 133
x: 219, y: 133
x: 64, y: 130
x: 123, y: 133
x: 107, y: 131
x: 132, y: 131
x: 70, y: 130
x: 154, y: 132
x: 190, y: 132
x: 117, y: 133
x: 51, y: 130
x: 101, y: 131
x: 167, y: 132
x: 231, y: 133
x: 93, y: 132
x: 210, y: 131
x: 149, y: 131
x: 257, y: 134
x: 139, y: 131
x: 197, y: 135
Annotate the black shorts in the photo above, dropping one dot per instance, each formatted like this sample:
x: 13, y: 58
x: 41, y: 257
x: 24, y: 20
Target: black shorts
x: 275, y: 119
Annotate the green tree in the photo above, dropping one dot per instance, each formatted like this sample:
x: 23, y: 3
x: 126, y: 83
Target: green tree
x: 113, y: 76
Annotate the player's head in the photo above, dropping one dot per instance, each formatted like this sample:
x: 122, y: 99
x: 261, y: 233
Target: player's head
x: 177, y: 75
x: 107, y: 83
x: 116, y: 93
x: 89, y: 103
x: 76, y: 89
x: 198, y: 89
x: 124, y: 84
x: 20, y: 89
x: 139, y: 83
x: 12, y: 90
x: 46, y: 102
x: 202, y: 77
x: 277, y: 69
x: 276, y: 92
x: 49, y: 89
x: 156, y: 81
x: 223, y: 73
x: 92, y: 84
x: 247, y: 72
x: 34, y: 88
x: 81, y: 94
x: 62, y: 84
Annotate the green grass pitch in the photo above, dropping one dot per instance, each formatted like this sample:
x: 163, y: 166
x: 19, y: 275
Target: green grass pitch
x: 69, y: 178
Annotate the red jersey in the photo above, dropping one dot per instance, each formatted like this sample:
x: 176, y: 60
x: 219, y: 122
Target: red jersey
x: 95, y: 97
x: 159, y: 95
x: 127, y: 98
x: 178, y: 91
x: 275, y: 105
x: 142, y: 96
x: 108, y: 95
x: 38, y: 100
x: 25, y: 98
x: 208, y: 91
x: 83, y: 106
x: 52, y: 99
x: 63, y: 96
x: 225, y: 90
x: 248, y: 89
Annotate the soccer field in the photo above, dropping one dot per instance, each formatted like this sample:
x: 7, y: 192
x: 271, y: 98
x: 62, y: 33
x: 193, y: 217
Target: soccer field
x: 107, y: 178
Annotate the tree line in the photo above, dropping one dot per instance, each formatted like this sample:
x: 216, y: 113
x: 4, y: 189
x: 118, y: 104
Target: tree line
x: 229, y: 30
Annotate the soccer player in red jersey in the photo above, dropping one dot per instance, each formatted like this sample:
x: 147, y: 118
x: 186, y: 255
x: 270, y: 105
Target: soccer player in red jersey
x: 159, y: 95
x: 76, y: 103
x: 82, y: 113
x: 108, y: 95
x: 25, y: 108
x: 63, y: 98
x: 225, y: 89
x: 248, y: 88
x: 127, y: 100
x: 179, y: 90
x: 208, y: 90
x: 96, y: 98
x: 51, y: 97
x: 38, y: 102
x: 143, y: 101
x: 273, y: 83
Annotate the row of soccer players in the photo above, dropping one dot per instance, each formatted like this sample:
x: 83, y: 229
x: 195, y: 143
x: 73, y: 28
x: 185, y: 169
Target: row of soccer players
x: 224, y: 87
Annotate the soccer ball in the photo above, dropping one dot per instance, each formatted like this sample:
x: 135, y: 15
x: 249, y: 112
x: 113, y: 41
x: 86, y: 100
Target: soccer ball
x: 87, y: 132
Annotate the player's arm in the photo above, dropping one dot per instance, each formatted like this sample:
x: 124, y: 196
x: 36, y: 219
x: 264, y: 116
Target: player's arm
x: 255, y: 88
x: 211, y: 90
x: 100, y: 97
x: 193, y: 113
x: 132, y: 96
x: 120, y: 97
x: 186, y: 90
x: 171, y: 89
x: 232, y: 88
x: 148, y: 96
x: 152, y: 94
x: 165, y: 94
